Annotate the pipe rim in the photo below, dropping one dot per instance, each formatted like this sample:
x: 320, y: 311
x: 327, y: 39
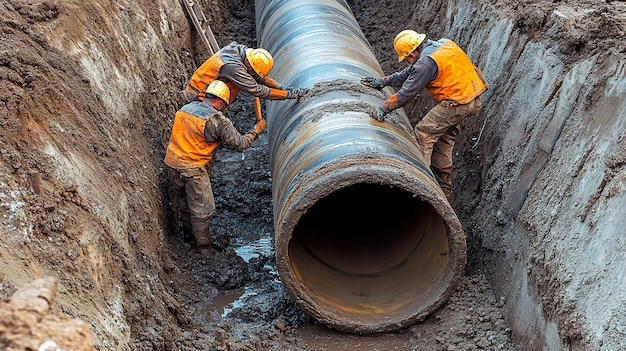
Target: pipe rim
x: 395, y: 174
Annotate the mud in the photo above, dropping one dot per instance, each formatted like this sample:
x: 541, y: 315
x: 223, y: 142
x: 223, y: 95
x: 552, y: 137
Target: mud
x: 87, y: 96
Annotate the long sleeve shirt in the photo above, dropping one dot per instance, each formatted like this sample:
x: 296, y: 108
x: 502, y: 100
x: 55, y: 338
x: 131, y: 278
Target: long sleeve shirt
x: 197, y: 131
x: 412, y: 80
x: 228, y: 66
x: 221, y: 129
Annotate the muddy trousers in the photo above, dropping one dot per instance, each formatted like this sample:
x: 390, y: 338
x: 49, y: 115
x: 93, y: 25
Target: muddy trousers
x: 436, y: 133
x: 196, y: 205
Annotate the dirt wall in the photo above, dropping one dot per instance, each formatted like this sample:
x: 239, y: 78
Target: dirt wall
x: 541, y: 171
x: 85, y: 90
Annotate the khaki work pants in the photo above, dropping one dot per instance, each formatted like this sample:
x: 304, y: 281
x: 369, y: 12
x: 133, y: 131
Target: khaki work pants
x: 436, y: 134
x: 196, y: 205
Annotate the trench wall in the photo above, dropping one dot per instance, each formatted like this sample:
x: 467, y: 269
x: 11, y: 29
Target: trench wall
x: 101, y: 83
x: 540, y: 176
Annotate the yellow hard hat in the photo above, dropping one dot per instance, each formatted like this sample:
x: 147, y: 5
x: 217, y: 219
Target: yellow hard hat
x: 218, y: 89
x: 261, y: 61
x: 406, y: 42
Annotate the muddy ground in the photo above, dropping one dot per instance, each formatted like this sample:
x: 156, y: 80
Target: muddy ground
x: 87, y: 96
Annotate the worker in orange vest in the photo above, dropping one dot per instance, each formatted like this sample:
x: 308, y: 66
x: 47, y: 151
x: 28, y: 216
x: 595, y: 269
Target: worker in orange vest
x: 452, y: 81
x: 241, y: 68
x: 199, y: 127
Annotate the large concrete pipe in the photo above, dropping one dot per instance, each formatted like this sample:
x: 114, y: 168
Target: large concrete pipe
x: 365, y: 240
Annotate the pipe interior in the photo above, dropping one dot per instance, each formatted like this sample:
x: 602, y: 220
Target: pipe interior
x: 369, y: 248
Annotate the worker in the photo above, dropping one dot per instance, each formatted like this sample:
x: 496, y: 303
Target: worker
x: 199, y: 127
x: 453, y: 82
x: 241, y: 68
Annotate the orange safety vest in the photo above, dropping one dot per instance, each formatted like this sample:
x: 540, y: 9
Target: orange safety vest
x: 457, y: 78
x: 187, y: 147
x: 206, y: 74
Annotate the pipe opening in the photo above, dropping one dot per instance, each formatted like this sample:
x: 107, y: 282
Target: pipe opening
x: 370, y: 249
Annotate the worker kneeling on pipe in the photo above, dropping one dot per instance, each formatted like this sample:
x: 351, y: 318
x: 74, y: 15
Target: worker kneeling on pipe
x: 452, y: 81
x: 199, y: 127
x: 241, y: 68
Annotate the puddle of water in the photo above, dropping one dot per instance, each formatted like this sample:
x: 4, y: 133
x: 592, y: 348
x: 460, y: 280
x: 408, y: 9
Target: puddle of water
x: 316, y: 337
x: 252, y: 249
x: 239, y: 301
x: 312, y: 337
x: 221, y: 301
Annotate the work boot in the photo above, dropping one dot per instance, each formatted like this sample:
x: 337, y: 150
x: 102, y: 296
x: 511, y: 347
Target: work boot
x: 203, y: 243
x: 187, y: 232
x: 206, y: 250
x: 444, y: 178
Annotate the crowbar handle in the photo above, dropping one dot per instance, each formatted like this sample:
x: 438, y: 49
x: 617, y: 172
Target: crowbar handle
x: 257, y: 109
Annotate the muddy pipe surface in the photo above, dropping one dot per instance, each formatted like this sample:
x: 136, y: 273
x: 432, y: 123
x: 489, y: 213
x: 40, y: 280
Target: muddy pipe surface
x: 365, y: 240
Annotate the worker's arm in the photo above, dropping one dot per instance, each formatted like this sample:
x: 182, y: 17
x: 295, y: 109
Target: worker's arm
x: 412, y: 80
x: 395, y: 79
x: 239, y: 76
x: 220, y: 128
x: 270, y: 82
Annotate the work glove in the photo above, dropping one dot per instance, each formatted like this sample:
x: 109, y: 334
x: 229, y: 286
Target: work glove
x: 187, y: 96
x: 259, y: 127
x: 379, y: 113
x: 282, y: 87
x: 374, y: 82
x: 297, y: 93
